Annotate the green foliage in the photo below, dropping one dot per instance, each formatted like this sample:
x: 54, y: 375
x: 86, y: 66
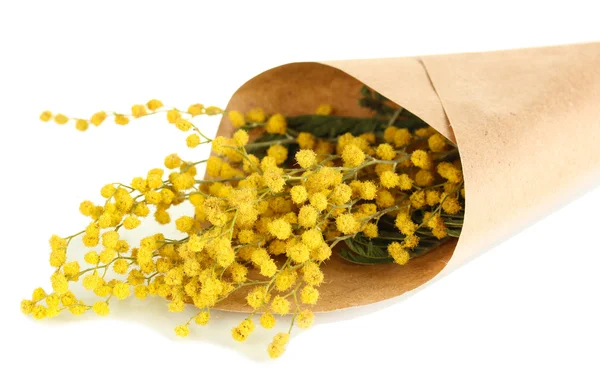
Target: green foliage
x: 366, y: 251
x: 334, y: 126
x: 376, y: 102
x: 363, y: 251
x: 385, y: 111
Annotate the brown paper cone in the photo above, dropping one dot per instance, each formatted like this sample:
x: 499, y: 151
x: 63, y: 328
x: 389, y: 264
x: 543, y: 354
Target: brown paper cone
x: 526, y: 122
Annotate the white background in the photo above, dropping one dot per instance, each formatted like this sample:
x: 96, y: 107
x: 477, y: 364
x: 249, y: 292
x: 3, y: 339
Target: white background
x: 524, y: 311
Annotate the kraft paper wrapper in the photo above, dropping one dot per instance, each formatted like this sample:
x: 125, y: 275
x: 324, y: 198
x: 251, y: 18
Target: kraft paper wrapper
x: 526, y: 122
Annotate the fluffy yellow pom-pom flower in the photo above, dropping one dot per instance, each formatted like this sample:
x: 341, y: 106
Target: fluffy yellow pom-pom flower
x: 138, y: 110
x: 386, y: 152
x: 306, y: 158
x: 400, y: 255
x: 437, y: 143
x: 173, y: 116
x: 312, y: 238
x: 307, y: 217
x: 46, y: 116
x: 402, y: 137
x: 405, y: 224
x: 81, y: 125
x: 324, y: 110
x: 353, y: 156
x: 299, y: 253
x: 277, y: 347
x: 101, y: 308
x: 121, y: 119
x: 121, y: 290
x: 449, y: 172
x: 424, y: 178
x: 256, y: 115
x: 183, y: 124
x: 309, y: 295
x: 182, y: 330
x: 318, y: 201
x: 241, y: 332
x: 305, y: 140
x: 280, y: 305
x: 154, y: 104
x: 347, y: 224
x: 389, y: 179
x: 241, y: 138
x: 267, y: 320
x: 312, y: 274
x: 276, y: 124
x: 203, y: 318
x: 421, y: 159
x: 305, y: 319
x: 195, y: 109
x: 61, y: 119
x: 98, y: 118
x: 405, y: 182
x: 280, y: 229
x: 279, y: 152
x: 299, y: 194
x: 236, y: 118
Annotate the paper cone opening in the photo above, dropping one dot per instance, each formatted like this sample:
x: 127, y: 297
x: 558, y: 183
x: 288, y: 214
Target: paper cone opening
x: 296, y: 89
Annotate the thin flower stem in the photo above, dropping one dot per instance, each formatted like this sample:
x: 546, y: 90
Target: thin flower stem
x: 395, y: 116
x: 295, y: 314
x: 220, y: 180
x: 270, y: 143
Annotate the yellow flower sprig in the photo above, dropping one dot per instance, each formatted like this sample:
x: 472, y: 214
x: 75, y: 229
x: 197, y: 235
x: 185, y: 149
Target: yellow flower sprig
x: 139, y: 110
x: 257, y: 224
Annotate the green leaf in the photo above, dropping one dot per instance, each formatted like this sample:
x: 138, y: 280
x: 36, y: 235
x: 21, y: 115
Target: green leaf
x: 364, y: 251
x: 376, y: 102
x: 335, y: 126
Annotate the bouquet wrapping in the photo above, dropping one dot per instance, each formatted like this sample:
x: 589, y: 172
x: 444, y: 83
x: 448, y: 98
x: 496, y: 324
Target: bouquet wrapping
x: 526, y: 122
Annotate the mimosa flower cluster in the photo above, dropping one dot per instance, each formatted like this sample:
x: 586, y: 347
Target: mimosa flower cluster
x: 260, y: 223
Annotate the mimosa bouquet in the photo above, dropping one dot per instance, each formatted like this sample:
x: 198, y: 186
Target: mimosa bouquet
x: 324, y: 193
